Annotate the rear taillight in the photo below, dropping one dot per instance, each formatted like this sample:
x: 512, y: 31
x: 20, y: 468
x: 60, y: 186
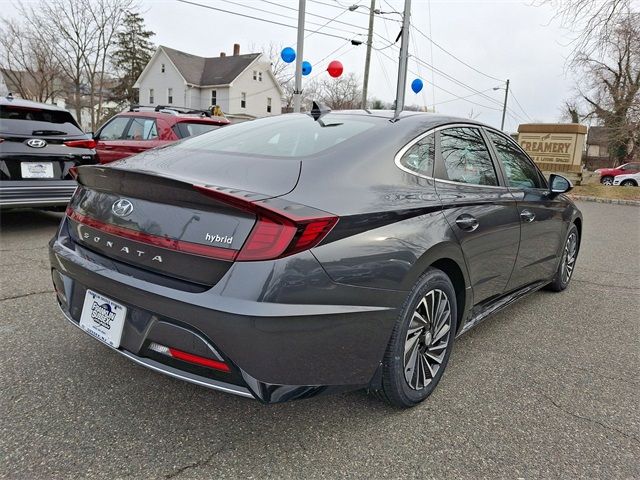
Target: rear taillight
x: 90, y: 143
x: 277, y: 233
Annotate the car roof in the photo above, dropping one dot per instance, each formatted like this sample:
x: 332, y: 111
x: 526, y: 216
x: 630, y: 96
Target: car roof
x: 412, y: 117
x: 21, y: 102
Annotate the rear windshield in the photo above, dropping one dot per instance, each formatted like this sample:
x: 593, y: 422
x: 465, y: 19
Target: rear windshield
x: 22, y: 120
x: 283, y: 136
x: 190, y: 129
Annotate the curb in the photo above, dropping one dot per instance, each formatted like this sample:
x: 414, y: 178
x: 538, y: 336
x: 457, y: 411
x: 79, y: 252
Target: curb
x: 615, y: 201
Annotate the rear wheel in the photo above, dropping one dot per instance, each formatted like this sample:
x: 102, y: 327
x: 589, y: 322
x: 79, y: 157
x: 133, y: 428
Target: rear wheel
x: 606, y: 180
x: 421, y: 341
x: 567, y: 262
x: 628, y: 183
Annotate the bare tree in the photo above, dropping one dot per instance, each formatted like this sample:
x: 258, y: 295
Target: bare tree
x: 78, y: 35
x: 342, y: 93
x: 590, y: 21
x: 32, y: 73
x: 610, y: 88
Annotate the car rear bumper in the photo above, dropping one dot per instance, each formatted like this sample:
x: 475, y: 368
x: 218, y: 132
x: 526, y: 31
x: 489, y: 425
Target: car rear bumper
x: 36, y: 193
x: 277, y: 351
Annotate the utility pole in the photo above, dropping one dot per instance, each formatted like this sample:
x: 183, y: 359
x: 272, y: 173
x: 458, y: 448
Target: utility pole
x: 504, y: 107
x: 367, y: 61
x: 299, y: 51
x: 404, y: 57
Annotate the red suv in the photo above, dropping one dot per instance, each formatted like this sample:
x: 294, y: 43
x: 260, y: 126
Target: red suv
x: 142, y: 128
x: 607, y: 174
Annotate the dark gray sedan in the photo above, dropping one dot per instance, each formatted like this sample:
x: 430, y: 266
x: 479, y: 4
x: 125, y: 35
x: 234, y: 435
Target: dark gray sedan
x: 306, y: 254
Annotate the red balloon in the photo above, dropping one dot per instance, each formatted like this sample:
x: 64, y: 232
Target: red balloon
x: 335, y: 69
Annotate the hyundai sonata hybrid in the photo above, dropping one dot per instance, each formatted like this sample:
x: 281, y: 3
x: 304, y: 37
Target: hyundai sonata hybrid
x: 305, y: 254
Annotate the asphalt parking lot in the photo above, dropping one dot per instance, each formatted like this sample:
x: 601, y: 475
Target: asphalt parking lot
x: 547, y: 388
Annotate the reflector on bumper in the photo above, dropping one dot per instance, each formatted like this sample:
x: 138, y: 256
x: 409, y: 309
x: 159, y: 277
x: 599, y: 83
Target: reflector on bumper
x: 188, y: 357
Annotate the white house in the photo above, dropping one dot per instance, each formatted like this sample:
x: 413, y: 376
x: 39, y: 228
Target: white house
x: 241, y: 85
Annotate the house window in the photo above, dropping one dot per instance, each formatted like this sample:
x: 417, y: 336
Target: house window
x: 169, y: 96
x: 259, y: 76
x: 151, y: 99
x: 163, y: 68
x: 243, y: 100
x: 268, y: 104
x: 255, y: 74
x: 214, y: 98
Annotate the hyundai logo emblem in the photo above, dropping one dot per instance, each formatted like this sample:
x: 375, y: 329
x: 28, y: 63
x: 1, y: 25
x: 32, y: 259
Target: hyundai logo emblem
x: 122, y: 207
x: 36, y: 143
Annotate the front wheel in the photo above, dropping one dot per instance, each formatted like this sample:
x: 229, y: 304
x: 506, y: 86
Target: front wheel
x: 421, y: 341
x: 567, y: 262
x: 606, y: 181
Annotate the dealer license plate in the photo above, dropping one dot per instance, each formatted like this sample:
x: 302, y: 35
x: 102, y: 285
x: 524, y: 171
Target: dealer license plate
x: 103, y: 318
x: 36, y: 169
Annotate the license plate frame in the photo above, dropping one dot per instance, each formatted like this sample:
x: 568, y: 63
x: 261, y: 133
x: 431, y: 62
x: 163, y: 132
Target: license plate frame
x: 36, y: 170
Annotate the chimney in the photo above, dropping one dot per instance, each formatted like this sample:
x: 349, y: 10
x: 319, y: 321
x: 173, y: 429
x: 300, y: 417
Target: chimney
x: 236, y: 49
x: 222, y: 54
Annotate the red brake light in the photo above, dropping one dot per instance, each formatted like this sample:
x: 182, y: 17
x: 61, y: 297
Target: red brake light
x: 89, y: 143
x: 276, y: 233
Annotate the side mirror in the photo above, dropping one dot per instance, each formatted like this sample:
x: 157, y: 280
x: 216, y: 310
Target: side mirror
x: 559, y: 184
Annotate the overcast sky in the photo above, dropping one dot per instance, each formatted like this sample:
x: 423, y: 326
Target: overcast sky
x: 503, y: 39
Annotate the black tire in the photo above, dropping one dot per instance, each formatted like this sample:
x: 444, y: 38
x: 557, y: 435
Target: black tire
x: 628, y: 183
x: 606, y: 180
x: 431, y: 289
x: 561, y: 279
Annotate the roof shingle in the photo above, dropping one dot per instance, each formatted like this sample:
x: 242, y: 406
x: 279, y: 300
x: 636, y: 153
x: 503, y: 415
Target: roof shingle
x: 203, y: 71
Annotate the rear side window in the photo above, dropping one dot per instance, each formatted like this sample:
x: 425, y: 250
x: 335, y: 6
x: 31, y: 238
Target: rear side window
x: 114, y: 130
x: 419, y: 158
x: 24, y: 120
x: 289, y: 136
x: 520, y: 172
x: 142, y: 129
x: 466, y: 158
x: 190, y: 129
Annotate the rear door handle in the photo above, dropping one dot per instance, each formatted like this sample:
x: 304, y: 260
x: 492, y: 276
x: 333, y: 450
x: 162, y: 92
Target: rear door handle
x: 527, y: 215
x: 467, y: 222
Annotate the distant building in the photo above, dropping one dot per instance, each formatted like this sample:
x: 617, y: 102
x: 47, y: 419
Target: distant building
x: 597, y: 148
x: 243, y: 86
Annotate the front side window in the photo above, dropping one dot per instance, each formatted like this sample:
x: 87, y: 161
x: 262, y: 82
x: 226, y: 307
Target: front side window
x: 169, y: 96
x: 190, y: 129
x: 419, y: 158
x: 151, y: 97
x: 466, y: 157
x: 114, y: 130
x: 142, y: 129
x: 519, y: 170
x: 634, y: 167
x: 214, y: 98
x: 243, y: 100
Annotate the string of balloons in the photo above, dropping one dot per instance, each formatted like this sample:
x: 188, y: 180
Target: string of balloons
x: 335, y: 68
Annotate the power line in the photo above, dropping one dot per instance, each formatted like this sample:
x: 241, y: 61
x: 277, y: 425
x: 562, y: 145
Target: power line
x: 272, y: 22
x: 433, y: 90
x: 287, y: 7
x: 454, y: 56
x: 518, y: 103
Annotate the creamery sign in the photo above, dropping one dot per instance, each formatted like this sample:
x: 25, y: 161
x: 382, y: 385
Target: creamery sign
x: 554, y: 147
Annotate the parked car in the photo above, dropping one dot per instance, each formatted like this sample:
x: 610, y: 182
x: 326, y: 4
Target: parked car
x: 302, y: 254
x: 143, y: 128
x: 628, y: 180
x: 39, y: 145
x: 608, y: 174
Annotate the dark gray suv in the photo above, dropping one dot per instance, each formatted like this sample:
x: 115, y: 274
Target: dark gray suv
x: 39, y: 146
x: 305, y: 254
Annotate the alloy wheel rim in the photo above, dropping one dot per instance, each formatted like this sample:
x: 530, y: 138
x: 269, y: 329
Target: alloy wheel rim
x: 569, y: 261
x: 427, y: 339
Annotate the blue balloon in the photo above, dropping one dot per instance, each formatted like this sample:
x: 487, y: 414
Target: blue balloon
x: 288, y: 54
x: 306, y: 68
x: 416, y: 85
